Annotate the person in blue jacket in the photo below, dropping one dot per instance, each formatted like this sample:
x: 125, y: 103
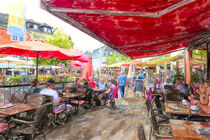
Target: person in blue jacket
x: 122, y: 80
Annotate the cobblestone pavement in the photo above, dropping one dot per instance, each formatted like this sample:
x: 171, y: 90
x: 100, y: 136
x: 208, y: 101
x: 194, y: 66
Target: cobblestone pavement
x: 121, y: 123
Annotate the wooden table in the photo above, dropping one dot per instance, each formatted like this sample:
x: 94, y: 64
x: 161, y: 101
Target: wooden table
x: 17, y: 108
x: 183, y: 110
x: 73, y: 95
x: 188, y: 130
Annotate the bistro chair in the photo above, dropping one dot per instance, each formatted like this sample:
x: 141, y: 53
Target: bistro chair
x: 172, y: 96
x: 159, y: 129
x: 30, y: 128
x: 3, y: 128
x: 60, y: 114
x: 168, y: 87
x: 141, y: 133
x: 17, y: 98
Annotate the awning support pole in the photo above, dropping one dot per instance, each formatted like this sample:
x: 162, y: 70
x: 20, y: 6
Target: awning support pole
x: 188, y: 63
x: 208, y: 62
x: 37, y: 63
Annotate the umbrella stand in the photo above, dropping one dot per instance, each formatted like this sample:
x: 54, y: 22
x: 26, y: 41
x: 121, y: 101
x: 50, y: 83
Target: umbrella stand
x: 37, y: 63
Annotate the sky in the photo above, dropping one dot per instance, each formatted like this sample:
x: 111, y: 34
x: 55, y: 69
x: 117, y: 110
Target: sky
x: 81, y: 40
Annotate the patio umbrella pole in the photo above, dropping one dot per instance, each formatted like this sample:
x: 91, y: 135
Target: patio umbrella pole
x: 37, y: 63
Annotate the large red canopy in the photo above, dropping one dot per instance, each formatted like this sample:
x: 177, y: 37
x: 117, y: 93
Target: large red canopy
x: 137, y: 28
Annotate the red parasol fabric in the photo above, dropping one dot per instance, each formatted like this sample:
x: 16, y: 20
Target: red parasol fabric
x: 36, y: 48
x: 83, y: 58
x: 77, y: 65
x: 88, y: 70
x: 30, y: 49
x: 137, y: 28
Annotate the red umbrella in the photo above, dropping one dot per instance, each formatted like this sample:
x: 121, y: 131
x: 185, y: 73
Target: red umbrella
x: 38, y: 49
x: 83, y: 58
x: 88, y: 70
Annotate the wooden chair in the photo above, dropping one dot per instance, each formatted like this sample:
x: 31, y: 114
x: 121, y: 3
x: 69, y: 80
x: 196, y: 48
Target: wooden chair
x: 30, y: 128
x: 17, y: 98
x: 141, y: 133
x: 159, y: 129
x: 159, y: 122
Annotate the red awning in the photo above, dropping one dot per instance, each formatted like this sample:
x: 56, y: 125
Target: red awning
x: 137, y: 28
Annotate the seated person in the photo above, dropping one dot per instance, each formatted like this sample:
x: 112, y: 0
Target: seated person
x: 49, y: 91
x: 34, y: 87
x: 86, y: 84
x: 180, y: 86
x: 154, y: 86
x: 167, y: 83
x: 102, y: 88
x: 153, y: 89
x: 77, y: 82
x: 204, y: 92
x: 91, y: 82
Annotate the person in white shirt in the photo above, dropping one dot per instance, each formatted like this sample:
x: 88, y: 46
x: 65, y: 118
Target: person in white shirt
x: 167, y: 83
x: 49, y: 91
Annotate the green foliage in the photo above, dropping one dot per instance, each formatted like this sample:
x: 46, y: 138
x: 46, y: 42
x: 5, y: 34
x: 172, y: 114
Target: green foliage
x: 59, y: 39
x: 113, y: 58
x: 14, y: 80
x: 199, y: 52
x: 62, y: 78
x: 177, y: 76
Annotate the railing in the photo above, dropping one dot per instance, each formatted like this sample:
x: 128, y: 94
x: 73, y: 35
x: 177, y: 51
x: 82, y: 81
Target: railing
x: 7, y: 90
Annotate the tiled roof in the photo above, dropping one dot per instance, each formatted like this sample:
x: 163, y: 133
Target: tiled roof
x: 3, y: 20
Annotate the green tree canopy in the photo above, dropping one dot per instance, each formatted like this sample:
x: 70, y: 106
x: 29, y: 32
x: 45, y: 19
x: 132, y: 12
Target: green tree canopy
x: 59, y: 39
x: 114, y: 58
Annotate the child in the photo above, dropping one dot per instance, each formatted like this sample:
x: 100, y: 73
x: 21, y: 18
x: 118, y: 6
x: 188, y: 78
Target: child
x: 112, y: 92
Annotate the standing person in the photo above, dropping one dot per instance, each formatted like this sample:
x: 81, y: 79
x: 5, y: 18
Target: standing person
x: 110, y: 93
x: 171, y: 76
x: 122, y: 79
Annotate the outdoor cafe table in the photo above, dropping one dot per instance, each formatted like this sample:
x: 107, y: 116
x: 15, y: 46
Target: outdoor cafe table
x: 183, y: 110
x: 188, y: 130
x: 17, y: 108
x: 73, y: 95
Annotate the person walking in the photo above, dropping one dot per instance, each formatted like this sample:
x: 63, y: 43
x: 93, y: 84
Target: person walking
x: 122, y: 79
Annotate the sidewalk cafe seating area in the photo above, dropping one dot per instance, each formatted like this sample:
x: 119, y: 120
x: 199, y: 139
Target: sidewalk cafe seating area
x: 174, y: 119
x: 26, y: 115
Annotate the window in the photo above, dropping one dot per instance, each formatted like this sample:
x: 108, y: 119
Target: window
x: 45, y: 29
x: 17, y: 38
x: 31, y: 25
x: 49, y: 30
x: 35, y: 27
x: 14, y: 37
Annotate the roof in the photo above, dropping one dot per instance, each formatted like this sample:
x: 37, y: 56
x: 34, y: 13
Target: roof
x: 137, y: 28
x: 40, y: 24
x: 32, y: 21
x: 3, y: 20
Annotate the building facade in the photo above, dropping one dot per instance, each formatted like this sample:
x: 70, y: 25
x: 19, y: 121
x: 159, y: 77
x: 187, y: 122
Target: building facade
x: 99, y: 56
x: 38, y: 31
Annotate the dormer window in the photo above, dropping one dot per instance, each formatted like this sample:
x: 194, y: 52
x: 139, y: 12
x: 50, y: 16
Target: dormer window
x: 35, y: 27
x: 49, y: 30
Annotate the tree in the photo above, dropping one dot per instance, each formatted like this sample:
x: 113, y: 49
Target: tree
x: 59, y: 39
x: 113, y: 58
